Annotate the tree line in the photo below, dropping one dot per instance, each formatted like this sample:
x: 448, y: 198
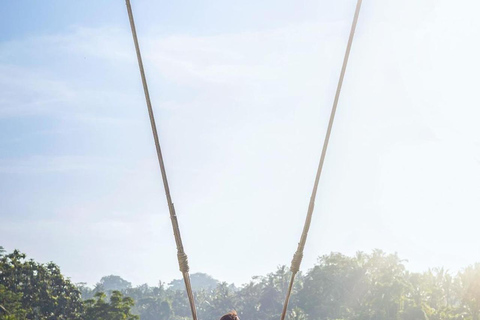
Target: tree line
x: 366, y: 286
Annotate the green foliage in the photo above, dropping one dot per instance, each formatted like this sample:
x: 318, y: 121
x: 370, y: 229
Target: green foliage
x: 85, y: 291
x: 29, y: 290
x: 470, y: 291
x: 10, y: 305
x: 41, y: 289
x: 117, y: 309
x: 151, y: 308
x: 373, y: 286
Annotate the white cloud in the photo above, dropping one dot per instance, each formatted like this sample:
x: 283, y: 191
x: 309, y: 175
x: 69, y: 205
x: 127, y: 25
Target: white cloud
x: 26, y: 92
x: 56, y: 164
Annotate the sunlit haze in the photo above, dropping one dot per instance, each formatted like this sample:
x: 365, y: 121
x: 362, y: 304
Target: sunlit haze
x: 241, y: 93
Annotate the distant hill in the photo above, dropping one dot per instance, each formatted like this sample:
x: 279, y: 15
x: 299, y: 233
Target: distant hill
x: 200, y: 281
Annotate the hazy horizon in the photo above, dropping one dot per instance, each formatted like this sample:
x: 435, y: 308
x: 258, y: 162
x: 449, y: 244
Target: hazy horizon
x: 238, y: 285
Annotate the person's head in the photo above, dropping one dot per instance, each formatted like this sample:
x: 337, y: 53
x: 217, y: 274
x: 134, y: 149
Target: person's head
x: 232, y: 315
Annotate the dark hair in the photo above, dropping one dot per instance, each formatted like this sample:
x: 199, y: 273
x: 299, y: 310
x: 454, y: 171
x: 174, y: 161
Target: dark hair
x: 232, y: 315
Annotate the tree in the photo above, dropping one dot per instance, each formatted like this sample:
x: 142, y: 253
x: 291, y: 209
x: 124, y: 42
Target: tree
x: 387, y: 286
x: 373, y: 286
x: 41, y: 289
x: 434, y: 292
x: 113, y: 283
x: 10, y: 305
x: 414, y: 313
x: 152, y: 308
x: 248, y: 300
x: 334, y: 286
x: 117, y: 309
x: 152, y: 303
x: 85, y: 291
x: 364, y: 287
x: 218, y: 302
x: 470, y: 288
x: 199, y: 281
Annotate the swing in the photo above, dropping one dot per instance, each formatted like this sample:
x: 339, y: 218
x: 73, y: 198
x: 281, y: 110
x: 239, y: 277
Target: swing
x: 297, y: 257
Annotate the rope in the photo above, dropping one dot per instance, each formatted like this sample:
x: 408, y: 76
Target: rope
x: 182, y: 257
x: 297, y: 257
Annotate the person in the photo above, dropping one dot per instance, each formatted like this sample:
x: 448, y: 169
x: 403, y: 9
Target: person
x: 232, y: 315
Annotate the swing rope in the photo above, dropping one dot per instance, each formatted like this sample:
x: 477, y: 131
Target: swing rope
x: 182, y: 257
x: 298, y: 256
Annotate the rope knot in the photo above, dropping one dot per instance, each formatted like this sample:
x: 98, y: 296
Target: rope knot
x: 296, y: 261
x: 183, y: 262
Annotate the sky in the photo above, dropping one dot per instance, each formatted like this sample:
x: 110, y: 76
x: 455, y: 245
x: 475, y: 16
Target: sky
x: 241, y: 93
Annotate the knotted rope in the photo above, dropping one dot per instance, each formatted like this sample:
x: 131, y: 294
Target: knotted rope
x: 182, y: 257
x: 297, y: 257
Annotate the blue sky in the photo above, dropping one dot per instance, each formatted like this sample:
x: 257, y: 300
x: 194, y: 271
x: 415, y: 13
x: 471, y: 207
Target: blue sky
x: 241, y: 94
